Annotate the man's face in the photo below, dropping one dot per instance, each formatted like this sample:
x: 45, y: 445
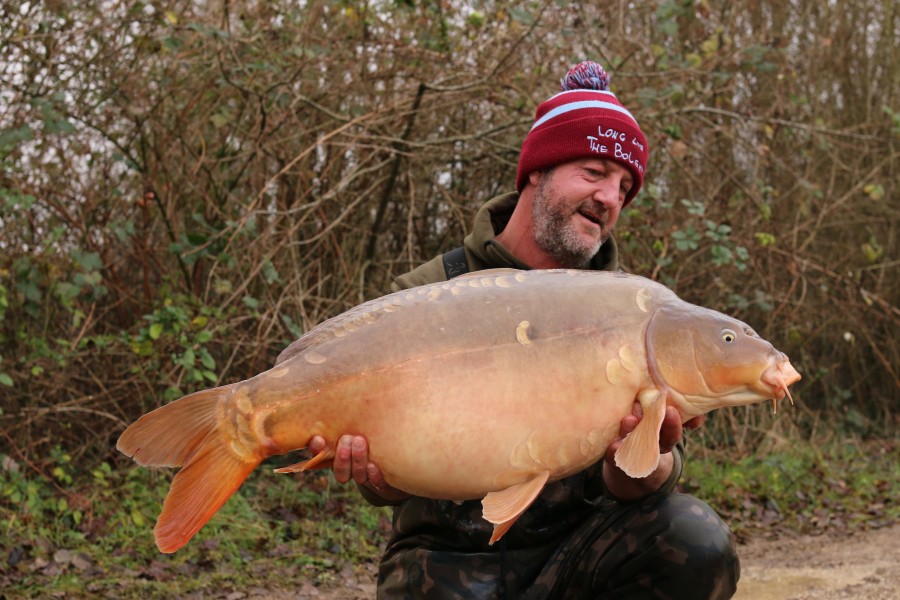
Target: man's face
x: 576, y: 205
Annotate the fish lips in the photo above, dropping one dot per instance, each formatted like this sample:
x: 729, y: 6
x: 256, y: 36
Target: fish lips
x: 778, y: 376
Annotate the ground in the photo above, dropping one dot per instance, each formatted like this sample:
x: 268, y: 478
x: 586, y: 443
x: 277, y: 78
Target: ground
x: 836, y: 566
x: 826, y: 567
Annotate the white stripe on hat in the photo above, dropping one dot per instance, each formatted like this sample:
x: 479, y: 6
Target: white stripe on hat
x: 581, y: 91
x: 582, y: 105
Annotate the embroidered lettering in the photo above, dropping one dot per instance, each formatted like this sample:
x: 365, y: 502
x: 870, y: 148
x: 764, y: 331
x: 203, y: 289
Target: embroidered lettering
x: 596, y: 146
x: 626, y: 156
x: 611, y: 133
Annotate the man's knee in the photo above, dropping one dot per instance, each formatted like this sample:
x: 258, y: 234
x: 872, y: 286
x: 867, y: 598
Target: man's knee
x: 697, y: 547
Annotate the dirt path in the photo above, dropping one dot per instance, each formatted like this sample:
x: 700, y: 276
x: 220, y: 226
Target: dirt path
x: 864, y: 565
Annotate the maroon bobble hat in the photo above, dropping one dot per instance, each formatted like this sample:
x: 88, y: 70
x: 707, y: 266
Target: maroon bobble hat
x: 585, y: 120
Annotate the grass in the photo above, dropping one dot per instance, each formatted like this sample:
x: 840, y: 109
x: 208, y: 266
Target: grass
x: 805, y: 488
x: 77, y: 532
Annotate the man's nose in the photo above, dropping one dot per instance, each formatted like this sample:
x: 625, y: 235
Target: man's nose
x: 609, y: 192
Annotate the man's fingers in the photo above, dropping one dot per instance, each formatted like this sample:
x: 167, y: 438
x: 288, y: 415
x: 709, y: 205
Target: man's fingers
x: 628, y: 424
x: 316, y: 444
x: 671, y: 431
x: 376, y: 479
x: 343, y: 459
x: 359, y: 459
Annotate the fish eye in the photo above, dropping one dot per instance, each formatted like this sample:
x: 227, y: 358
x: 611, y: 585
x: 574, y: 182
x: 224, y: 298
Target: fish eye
x: 728, y: 335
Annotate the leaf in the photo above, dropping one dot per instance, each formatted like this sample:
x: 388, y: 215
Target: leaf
x: 765, y: 239
x: 710, y: 46
x: 270, y: 274
x: 874, y: 191
x: 155, y: 331
x: 6, y: 380
x: 89, y: 261
x: 220, y: 120
x: 207, y: 360
x: 521, y: 16
x: 872, y: 251
x: 9, y: 138
x: 136, y: 517
x: 189, y: 358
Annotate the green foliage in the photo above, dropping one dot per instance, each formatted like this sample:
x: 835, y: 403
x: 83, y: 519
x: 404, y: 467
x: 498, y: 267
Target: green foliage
x: 804, y: 488
x: 67, y: 528
x: 179, y: 332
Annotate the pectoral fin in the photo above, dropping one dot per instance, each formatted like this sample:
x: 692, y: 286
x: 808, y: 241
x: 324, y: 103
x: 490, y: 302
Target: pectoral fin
x: 314, y: 463
x: 638, y: 455
x: 504, y: 507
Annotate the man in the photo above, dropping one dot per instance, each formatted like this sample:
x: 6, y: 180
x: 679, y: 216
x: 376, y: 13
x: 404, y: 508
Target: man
x: 599, y: 533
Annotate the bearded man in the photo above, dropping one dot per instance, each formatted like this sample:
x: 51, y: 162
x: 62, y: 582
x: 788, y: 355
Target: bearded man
x: 599, y: 533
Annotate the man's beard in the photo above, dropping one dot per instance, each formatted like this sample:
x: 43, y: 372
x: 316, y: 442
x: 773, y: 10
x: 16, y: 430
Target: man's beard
x: 555, y: 231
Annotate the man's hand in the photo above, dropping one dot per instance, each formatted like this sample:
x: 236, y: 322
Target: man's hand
x: 618, y: 482
x: 351, y: 461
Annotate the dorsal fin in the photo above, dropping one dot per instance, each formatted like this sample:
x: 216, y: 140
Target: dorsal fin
x: 488, y: 273
x: 365, y: 313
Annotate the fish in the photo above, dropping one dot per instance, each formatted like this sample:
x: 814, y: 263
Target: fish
x: 488, y: 386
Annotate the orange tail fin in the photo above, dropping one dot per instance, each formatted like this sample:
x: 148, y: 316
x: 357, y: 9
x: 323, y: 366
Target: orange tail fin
x: 186, y: 434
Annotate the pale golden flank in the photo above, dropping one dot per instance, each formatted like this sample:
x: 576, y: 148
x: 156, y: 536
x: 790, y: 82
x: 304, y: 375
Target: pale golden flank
x: 486, y: 386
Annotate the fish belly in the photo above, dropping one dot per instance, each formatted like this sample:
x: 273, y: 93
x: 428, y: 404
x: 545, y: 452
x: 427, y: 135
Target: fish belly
x: 462, y: 424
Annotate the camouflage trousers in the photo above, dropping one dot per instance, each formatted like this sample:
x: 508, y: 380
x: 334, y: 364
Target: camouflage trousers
x: 668, y: 546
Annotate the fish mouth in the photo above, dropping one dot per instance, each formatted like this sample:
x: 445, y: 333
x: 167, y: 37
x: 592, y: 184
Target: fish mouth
x: 777, y: 377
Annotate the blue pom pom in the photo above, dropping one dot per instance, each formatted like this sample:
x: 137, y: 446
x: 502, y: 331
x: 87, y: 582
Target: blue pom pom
x: 586, y: 75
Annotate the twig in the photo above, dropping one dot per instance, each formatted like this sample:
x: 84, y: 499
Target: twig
x: 399, y: 148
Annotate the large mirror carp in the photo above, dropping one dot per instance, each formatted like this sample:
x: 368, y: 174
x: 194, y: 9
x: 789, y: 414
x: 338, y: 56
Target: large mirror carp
x: 486, y: 386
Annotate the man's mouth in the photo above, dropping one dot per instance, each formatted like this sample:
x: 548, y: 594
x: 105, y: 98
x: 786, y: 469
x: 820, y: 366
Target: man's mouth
x: 593, y: 218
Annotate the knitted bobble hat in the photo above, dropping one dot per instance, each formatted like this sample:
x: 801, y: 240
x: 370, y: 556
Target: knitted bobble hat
x: 585, y: 120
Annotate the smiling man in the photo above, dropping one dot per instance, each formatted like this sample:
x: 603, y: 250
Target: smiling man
x: 599, y: 533
x: 573, y: 208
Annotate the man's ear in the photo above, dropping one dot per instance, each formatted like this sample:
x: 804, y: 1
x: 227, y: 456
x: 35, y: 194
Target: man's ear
x: 535, y: 177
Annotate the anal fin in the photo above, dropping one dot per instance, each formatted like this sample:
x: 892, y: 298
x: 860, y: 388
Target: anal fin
x: 314, y: 463
x: 504, y: 507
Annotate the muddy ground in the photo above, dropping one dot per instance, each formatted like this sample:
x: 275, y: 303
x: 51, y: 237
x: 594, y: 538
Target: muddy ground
x: 862, y: 565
